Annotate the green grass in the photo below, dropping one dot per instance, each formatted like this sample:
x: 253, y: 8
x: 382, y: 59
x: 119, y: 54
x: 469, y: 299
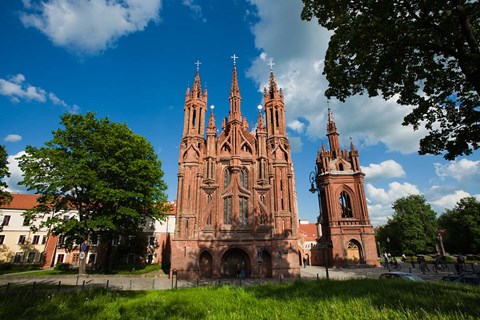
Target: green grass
x: 50, y: 272
x: 352, y: 299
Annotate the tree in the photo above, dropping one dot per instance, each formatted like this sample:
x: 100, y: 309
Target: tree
x: 414, y: 225
x: 101, y: 169
x: 461, y: 227
x: 5, y: 196
x: 424, y: 53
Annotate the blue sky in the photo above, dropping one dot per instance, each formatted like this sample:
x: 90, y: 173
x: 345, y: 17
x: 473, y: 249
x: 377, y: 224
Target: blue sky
x: 132, y: 61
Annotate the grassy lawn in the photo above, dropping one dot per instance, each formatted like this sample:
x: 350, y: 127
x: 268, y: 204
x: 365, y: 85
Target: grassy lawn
x: 24, y: 271
x: 352, y: 299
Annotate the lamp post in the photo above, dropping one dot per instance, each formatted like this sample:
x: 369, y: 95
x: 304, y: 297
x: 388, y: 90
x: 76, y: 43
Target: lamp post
x: 324, y: 244
x: 388, y: 245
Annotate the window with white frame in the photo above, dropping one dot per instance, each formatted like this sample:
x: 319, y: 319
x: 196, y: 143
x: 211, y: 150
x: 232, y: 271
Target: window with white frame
x: 36, y: 239
x: 44, y: 239
x: 22, y: 239
x: 6, y: 220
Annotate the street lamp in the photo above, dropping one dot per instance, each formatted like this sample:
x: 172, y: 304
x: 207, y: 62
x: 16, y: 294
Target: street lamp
x: 388, y: 245
x: 324, y: 244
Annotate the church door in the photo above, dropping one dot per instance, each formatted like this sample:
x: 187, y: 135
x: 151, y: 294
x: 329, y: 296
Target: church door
x: 235, y: 262
x: 353, y: 252
x: 267, y: 265
x: 206, y: 265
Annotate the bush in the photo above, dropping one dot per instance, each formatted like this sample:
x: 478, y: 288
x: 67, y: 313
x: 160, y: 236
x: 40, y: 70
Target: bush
x: 5, y: 266
x: 62, y: 266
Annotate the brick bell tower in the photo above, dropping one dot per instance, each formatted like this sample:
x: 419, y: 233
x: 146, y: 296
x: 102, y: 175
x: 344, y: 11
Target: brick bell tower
x: 344, y: 214
x: 236, y: 198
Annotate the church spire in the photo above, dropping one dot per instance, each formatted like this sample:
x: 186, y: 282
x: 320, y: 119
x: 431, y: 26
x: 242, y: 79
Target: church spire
x: 274, y: 107
x: 332, y: 134
x: 235, y: 113
x: 195, y: 108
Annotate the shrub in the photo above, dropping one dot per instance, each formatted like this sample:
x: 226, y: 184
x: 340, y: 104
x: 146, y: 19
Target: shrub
x: 62, y: 266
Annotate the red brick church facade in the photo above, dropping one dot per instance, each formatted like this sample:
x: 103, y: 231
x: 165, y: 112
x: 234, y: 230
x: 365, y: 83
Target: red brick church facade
x: 344, y: 216
x: 236, y: 197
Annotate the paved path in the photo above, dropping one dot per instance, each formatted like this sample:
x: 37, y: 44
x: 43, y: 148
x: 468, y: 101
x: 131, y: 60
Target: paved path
x: 159, y: 281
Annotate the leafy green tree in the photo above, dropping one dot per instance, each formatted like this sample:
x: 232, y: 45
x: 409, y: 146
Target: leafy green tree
x: 424, y: 53
x: 5, y: 196
x: 461, y: 227
x: 415, y: 225
x: 101, y: 169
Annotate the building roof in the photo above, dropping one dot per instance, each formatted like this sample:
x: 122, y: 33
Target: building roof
x: 22, y: 201
x: 309, y: 231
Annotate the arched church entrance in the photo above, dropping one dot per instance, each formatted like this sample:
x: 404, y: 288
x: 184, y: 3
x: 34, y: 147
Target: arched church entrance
x: 354, y: 251
x: 235, y: 261
x: 266, y: 264
x: 205, y: 263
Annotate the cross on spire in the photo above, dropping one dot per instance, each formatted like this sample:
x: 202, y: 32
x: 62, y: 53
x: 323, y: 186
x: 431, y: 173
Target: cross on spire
x: 198, y: 63
x: 234, y: 57
x: 271, y: 64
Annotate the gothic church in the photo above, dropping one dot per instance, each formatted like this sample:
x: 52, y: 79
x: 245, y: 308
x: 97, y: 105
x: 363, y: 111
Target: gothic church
x: 236, y: 198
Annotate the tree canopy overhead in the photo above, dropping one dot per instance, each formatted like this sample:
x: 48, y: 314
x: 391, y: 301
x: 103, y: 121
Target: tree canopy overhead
x: 110, y: 175
x: 424, y: 53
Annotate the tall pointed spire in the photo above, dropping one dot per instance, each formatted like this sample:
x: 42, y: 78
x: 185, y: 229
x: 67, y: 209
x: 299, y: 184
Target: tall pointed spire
x: 235, y: 98
x: 332, y: 134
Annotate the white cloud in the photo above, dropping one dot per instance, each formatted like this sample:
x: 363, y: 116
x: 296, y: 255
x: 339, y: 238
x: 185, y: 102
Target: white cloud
x: 395, y: 191
x: 384, y: 170
x: 298, y: 71
x: 448, y: 201
x: 464, y: 171
x: 15, y: 174
x: 380, y: 200
x: 89, y: 26
x: 296, y: 126
x: 16, y: 89
x: 12, y: 138
x: 196, y: 9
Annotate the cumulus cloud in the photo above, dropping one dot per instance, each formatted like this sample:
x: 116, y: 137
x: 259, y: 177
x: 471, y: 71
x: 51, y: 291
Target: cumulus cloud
x: 12, y: 138
x: 384, y: 170
x: 89, y: 26
x: 448, y: 201
x: 17, y: 89
x: 463, y: 171
x: 380, y: 200
x: 298, y: 71
x: 15, y: 174
x: 296, y: 126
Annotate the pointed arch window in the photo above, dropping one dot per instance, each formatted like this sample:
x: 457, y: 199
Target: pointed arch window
x: 244, y: 178
x: 227, y: 210
x: 243, y: 211
x: 345, y: 205
x: 226, y: 178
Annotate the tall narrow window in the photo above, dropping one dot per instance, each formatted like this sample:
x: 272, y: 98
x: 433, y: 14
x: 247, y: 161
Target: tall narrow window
x: 226, y: 178
x: 227, y: 210
x: 6, y: 220
x: 345, y: 205
x: 243, y: 211
x: 244, y: 178
x: 194, y: 120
